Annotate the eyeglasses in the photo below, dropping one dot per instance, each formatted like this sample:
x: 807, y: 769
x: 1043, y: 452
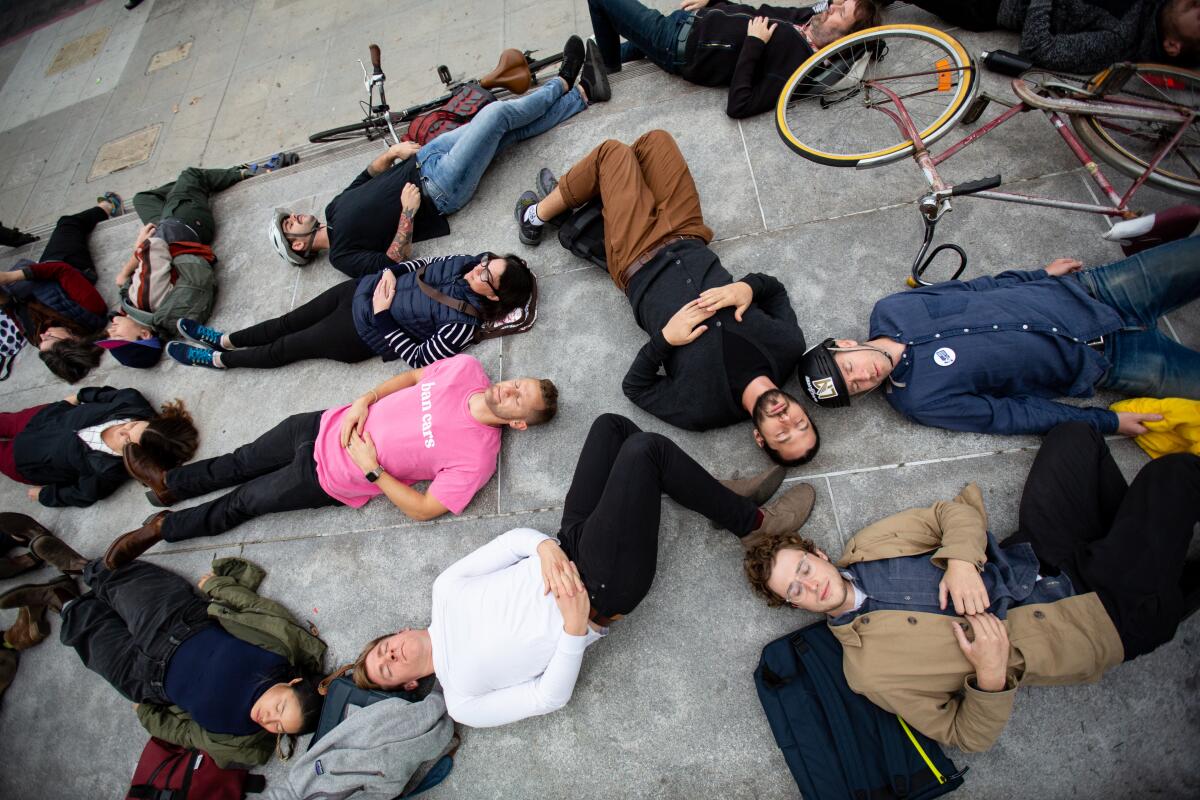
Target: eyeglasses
x: 486, y: 273
x: 796, y: 588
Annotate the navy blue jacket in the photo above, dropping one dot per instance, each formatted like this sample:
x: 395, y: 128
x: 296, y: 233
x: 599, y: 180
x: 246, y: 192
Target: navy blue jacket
x: 989, y: 354
x: 48, y: 451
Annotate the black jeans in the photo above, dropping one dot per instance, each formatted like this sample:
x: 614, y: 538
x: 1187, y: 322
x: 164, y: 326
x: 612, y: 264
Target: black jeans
x: 610, y: 518
x: 69, y: 241
x: 129, y: 625
x: 321, y: 328
x: 974, y: 15
x: 276, y: 471
x: 1126, y: 543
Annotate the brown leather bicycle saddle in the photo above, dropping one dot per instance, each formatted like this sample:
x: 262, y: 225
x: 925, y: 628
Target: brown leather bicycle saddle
x: 511, y: 73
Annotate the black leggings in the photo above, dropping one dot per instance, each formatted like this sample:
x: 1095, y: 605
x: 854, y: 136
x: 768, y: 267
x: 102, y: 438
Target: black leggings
x: 610, y: 518
x: 128, y: 626
x: 1126, y: 543
x: 69, y: 241
x: 321, y: 328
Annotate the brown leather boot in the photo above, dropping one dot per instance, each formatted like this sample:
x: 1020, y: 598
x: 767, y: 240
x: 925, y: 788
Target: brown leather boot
x: 12, y: 567
x: 128, y: 546
x: 148, y: 473
x: 8, y: 668
x: 790, y: 512
x: 29, y: 629
x: 55, y: 552
x: 54, y: 595
x: 757, y: 488
x: 21, y: 527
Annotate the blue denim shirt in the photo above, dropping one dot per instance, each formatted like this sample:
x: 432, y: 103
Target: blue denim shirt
x: 910, y: 583
x: 989, y: 355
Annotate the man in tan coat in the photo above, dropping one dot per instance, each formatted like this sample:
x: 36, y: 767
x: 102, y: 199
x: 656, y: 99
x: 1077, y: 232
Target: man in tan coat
x: 940, y: 623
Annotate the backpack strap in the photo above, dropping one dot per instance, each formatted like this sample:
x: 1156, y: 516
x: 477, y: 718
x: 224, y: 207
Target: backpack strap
x: 148, y: 791
x: 190, y: 764
x: 461, y: 306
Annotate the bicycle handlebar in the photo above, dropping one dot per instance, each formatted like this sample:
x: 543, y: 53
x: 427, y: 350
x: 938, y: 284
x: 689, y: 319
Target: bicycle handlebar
x: 375, y: 59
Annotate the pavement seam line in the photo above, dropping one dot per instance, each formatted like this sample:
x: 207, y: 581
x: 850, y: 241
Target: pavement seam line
x: 757, y: 198
x: 837, y: 519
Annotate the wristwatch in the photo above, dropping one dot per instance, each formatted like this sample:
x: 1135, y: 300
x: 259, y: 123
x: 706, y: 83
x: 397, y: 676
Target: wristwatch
x: 374, y: 474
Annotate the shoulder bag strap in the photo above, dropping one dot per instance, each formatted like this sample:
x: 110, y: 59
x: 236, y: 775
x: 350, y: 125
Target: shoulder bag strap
x: 461, y: 306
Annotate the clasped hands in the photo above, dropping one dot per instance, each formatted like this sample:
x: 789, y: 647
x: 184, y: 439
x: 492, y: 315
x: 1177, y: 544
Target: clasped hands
x: 685, y: 325
x: 355, y: 437
x: 988, y: 652
x: 561, y: 576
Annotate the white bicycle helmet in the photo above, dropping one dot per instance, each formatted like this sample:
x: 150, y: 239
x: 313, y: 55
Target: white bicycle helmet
x: 282, y: 244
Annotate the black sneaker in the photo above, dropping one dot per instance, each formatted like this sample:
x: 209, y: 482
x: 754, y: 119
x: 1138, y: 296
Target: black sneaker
x: 594, y: 77
x: 572, y: 60
x: 547, y: 183
x: 529, y: 233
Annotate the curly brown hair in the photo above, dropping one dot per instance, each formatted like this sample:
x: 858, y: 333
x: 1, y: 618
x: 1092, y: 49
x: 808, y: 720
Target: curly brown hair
x: 171, y: 437
x: 760, y: 559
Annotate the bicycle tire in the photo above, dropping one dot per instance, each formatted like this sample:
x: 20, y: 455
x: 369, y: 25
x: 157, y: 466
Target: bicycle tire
x: 1129, y: 145
x: 934, y: 67
x: 358, y: 130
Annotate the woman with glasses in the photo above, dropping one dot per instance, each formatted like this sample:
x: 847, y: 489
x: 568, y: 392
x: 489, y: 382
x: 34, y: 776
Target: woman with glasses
x: 389, y: 314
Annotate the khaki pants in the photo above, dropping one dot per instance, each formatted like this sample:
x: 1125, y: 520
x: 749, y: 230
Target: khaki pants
x: 648, y: 195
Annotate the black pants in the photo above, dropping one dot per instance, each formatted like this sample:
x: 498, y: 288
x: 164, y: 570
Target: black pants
x: 1126, y: 543
x: 69, y: 241
x: 610, y: 518
x: 129, y: 625
x: 974, y: 15
x: 276, y: 471
x: 321, y: 328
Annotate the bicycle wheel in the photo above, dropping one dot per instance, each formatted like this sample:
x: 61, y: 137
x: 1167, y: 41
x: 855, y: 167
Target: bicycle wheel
x: 833, y: 111
x: 1130, y: 145
x: 370, y: 129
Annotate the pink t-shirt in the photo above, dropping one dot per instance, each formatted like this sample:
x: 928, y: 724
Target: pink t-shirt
x: 424, y: 432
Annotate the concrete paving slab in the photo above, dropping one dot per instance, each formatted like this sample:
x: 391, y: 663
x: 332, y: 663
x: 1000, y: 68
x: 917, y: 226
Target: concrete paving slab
x: 128, y: 151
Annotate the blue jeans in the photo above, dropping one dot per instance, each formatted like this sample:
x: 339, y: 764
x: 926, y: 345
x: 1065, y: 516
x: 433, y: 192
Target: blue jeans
x: 453, y: 164
x: 648, y: 32
x: 1141, y: 289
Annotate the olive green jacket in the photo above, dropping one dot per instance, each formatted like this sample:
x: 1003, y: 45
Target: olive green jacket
x: 259, y: 621
x: 910, y: 663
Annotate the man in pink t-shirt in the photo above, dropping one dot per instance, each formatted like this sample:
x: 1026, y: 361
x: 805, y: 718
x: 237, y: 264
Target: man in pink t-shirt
x: 440, y: 424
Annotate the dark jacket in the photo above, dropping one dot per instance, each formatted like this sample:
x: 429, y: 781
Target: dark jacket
x: 412, y: 311
x: 1081, y: 35
x: 54, y: 293
x: 719, y: 53
x: 48, y: 451
x: 259, y: 621
x: 694, y: 391
x: 989, y: 355
x: 362, y: 219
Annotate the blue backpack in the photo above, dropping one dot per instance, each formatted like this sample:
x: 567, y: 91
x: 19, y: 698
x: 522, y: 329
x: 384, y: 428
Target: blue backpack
x: 839, y: 744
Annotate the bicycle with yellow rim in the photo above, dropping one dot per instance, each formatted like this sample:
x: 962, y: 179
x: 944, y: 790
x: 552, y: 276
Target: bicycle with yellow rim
x: 888, y: 93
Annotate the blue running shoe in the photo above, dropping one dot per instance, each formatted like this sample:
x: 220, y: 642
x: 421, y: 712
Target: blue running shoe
x: 200, y: 334
x: 191, y: 355
x: 117, y: 204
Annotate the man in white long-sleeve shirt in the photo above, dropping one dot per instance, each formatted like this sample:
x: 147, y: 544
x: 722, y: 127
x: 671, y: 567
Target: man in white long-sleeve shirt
x: 511, y: 620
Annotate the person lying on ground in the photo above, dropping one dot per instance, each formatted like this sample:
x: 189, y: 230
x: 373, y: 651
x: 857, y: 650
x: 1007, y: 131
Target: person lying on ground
x: 1085, y: 36
x: 373, y: 223
x: 54, y: 301
x: 941, y: 624
x: 81, y: 449
x: 725, y: 347
x: 599, y: 570
x: 441, y: 423
x: 382, y: 314
x: 224, y: 670
x: 989, y: 355
x: 170, y: 274
x: 751, y: 50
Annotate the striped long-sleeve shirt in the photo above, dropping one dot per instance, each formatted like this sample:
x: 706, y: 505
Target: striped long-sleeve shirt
x: 450, y: 339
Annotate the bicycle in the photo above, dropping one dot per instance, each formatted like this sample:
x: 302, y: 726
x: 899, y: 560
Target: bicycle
x: 514, y: 74
x: 886, y: 93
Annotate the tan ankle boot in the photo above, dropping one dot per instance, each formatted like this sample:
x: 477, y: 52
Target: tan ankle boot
x: 789, y: 512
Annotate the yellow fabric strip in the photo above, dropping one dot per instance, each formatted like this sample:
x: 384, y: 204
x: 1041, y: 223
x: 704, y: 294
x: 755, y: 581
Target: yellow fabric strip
x: 921, y: 750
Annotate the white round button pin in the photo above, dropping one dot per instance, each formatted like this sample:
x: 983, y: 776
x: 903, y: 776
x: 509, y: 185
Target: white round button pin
x: 943, y: 357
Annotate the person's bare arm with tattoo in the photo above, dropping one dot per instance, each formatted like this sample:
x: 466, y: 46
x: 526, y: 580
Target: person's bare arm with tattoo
x: 410, y: 201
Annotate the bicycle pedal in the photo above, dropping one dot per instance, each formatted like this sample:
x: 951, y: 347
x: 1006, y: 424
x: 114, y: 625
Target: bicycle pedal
x: 975, y: 111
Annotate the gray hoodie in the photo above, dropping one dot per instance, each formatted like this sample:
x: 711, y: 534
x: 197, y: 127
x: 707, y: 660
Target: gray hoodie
x: 371, y: 755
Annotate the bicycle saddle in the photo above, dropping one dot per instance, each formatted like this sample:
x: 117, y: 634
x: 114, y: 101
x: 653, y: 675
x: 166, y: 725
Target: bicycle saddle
x: 511, y: 73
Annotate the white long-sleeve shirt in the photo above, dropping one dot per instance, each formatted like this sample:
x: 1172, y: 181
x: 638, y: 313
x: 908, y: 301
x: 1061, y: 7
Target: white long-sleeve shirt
x: 499, y: 648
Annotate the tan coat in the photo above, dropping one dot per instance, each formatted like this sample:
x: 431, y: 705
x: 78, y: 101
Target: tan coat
x: 909, y: 663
